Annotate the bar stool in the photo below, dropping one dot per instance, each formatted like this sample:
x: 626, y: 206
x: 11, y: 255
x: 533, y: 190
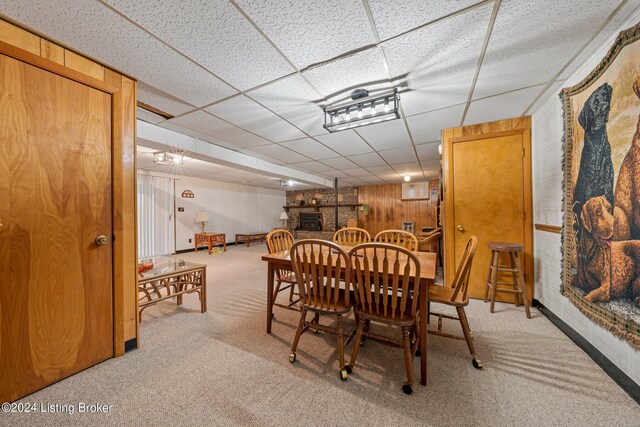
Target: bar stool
x: 515, y: 268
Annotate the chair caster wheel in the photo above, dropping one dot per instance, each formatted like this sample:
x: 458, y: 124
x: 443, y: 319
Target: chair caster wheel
x: 292, y: 357
x: 477, y: 363
x: 343, y: 374
x: 408, y: 389
x: 348, y: 368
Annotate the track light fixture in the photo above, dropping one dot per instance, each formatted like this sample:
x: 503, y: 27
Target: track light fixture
x: 370, y: 110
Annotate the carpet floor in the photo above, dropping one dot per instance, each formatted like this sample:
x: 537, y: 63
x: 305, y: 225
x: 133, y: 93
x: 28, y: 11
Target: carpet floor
x: 221, y: 368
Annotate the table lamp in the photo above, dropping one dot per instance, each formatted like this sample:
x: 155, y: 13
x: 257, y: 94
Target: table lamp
x: 202, y: 217
x: 284, y: 217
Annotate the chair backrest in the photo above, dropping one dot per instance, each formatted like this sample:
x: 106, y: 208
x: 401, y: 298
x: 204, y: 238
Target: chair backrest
x: 430, y: 241
x: 461, y: 279
x: 382, y: 278
x: 319, y: 266
x: 399, y: 238
x: 351, y: 236
x: 279, y: 240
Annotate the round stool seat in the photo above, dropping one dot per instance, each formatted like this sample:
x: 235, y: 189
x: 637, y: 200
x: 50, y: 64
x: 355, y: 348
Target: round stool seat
x: 506, y: 247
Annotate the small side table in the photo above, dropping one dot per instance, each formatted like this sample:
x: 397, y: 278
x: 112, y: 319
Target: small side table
x: 210, y: 239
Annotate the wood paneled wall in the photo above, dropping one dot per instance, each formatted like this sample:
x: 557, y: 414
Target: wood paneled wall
x: 388, y: 211
x: 47, y: 55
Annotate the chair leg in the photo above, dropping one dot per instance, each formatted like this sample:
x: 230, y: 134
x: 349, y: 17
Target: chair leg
x: 291, y: 293
x: 514, y: 278
x: 489, y: 277
x: 356, y: 344
x: 523, y: 286
x: 464, y: 322
x: 276, y: 291
x: 296, y: 339
x: 408, y: 359
x: 494, y: 281
x: 343, y: 369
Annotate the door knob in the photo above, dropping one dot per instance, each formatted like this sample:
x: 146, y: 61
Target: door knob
x: 102, y: 240
x: 461, y: 228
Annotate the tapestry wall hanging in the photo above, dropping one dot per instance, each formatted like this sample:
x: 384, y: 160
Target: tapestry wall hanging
x: 601, y: 229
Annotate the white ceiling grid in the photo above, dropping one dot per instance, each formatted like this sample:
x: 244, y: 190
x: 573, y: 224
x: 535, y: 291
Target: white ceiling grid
x: 253, y: 75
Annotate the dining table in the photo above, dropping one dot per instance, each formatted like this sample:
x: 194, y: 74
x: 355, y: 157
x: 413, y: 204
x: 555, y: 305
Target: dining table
x: 282, y: 261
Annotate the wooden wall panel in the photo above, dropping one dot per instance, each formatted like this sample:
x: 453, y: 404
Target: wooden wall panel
x: 47, y: 55
x: 387, y: 209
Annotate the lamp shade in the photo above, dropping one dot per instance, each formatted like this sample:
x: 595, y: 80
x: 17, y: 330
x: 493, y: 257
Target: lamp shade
x: 284, y: 215
x: 202, y: 217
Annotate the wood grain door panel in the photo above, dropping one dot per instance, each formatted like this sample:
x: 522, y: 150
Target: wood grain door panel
x: 488, y: 200
x: 56, y: 308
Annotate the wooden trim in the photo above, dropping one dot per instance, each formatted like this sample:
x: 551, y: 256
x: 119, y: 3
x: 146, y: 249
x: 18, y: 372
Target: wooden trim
x: 154, y: 110
x: 489, y: 135
x: 557, y: 229
x: 61, y: 70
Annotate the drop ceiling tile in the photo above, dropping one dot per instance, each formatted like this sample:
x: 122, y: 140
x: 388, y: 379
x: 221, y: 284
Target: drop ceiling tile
x: 381, y: 170
x: 368, y: 159
x: 207, y: 124
x: 374, y: 180
x: 427, y: 127
x: 512, y: 104
x: 311, y: 167
x: 201, y: 146
x: 357, y: 172
x: 439, y: 75
x: 103, y: 34
x: 393, y: 17
x: 310, y: 148
x: 399, y: 155
x: 214, y: 34
x: 162, y: 101
x: 148, y: 116
x: 345, y: 142
x: 357, y: 70
x: 408, y: 168
x: 262, y: 156
x: 294, y: 99
x: 428, y: 152
x: 430, y: 164
x: 339, y: 163
x: 532, y: 41
x: 552, y: 92
x: 250, y: 115
x: 333, y: 174
x: 386, y: 135
x: 311, y: 31
x: 281, y: 153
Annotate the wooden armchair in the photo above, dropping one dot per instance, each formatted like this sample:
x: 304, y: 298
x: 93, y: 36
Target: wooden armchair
x: 399, y: 238
x: 381, y: 278
x: 456, y: 296
x: 319, y: 266
x: 278, y: 241
x: 351, y: 236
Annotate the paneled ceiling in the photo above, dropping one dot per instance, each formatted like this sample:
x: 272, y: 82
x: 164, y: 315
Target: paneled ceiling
x: 253, y: 75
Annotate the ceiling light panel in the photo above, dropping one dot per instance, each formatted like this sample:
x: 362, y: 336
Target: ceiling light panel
x: 310, y: 148
x: 345, y: 143
x: 532, y: 41
x: 355, y: 70
x: 501, y: 106
x: 427, y: 127
x: 162, y: 101
x: 308, y: 32
x: 386, y: 135
x: 440, y: 60
x: 219, y: 129
x: 251, y: 116
x: 106, y: 36
x: 393, y: 17
x: 214, y: 34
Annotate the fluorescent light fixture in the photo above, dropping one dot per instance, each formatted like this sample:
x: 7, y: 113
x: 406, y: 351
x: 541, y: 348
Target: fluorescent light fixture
x: 373, y: 105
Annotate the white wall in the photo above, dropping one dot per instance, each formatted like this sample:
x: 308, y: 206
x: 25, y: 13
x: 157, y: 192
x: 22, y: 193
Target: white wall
x: 547, y: 199
x: 232, y: 208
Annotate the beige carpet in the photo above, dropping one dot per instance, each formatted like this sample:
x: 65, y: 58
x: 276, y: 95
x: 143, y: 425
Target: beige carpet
x: 221, y: 368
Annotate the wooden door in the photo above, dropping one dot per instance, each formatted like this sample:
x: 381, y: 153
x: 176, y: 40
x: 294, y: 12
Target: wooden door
x: 56, y: 308
x: 487, y: 195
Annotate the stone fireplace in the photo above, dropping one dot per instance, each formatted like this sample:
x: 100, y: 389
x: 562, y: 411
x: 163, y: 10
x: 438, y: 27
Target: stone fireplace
x: 310, y: 221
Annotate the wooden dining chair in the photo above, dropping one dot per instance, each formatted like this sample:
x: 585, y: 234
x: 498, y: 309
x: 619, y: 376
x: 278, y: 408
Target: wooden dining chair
x: 277, y: 241
x: 381, y: 276
x: 319, y: 266
x: 456, y: 296
x: 351, y: 236
x: 399, y: 238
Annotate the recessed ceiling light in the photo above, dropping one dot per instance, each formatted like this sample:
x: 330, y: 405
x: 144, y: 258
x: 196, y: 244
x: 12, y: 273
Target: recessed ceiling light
x: 407, y: 178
